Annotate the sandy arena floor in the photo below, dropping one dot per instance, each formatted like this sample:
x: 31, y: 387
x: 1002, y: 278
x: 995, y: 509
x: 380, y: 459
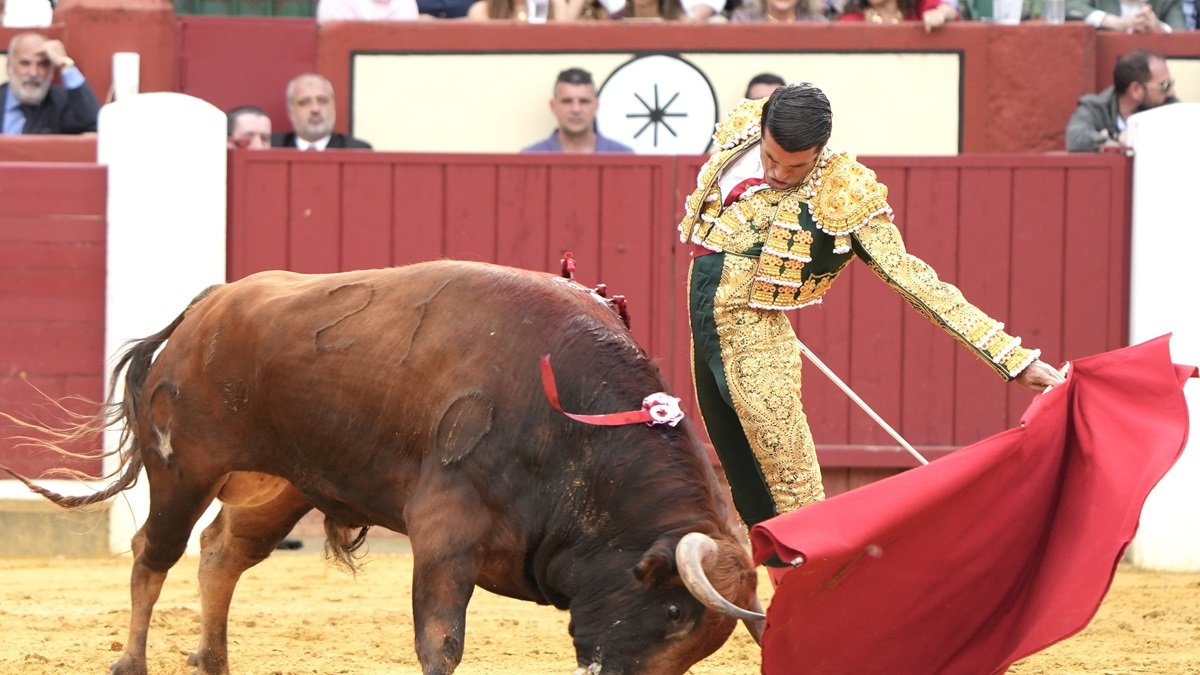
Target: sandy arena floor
x: 296, y: 614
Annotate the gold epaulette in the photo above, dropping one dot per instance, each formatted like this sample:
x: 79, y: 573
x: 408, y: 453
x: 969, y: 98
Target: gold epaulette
x: 845, y: 197
x: 743, y: 123
x: 703, y: 206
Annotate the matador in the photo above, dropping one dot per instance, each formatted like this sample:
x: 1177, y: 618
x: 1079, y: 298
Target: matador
x: 775, y: 217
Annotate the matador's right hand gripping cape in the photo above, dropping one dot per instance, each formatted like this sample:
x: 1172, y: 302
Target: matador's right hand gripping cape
x: 803, y: 238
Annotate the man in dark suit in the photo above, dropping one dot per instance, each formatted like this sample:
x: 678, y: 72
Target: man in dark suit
x: 33, y: 104
x: 311, y: 109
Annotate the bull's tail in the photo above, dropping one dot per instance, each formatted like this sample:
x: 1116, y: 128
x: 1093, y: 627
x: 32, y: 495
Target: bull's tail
x: 135, y: 363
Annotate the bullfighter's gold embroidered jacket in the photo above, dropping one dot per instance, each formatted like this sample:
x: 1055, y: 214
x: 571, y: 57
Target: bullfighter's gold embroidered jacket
x: 805, y: 236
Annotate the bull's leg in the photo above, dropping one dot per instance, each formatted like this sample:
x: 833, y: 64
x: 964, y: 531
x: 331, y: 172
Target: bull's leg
x: 446, y: 529
x: 257, y: 512
x: 157, y: 546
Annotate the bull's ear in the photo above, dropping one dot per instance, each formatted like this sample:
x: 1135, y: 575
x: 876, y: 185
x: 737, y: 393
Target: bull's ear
x: 657, y: 564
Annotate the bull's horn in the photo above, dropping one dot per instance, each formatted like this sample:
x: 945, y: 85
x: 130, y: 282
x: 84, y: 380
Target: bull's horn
x: 692, y: 551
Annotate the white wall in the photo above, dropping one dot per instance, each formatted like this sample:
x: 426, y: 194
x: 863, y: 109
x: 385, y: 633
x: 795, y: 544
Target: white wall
x: 166, y: 160
x: 1165, y: 298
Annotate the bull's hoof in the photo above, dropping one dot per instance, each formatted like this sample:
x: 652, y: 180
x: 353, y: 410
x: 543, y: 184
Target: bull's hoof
x: 208, y: 665
x: 128, y: 665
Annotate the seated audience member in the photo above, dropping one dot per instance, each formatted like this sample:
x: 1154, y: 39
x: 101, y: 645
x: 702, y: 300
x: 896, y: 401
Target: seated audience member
x: 444, y: 9
x: 559, y: 10
x: 1155, y: 16
x: 1141, y: 81
x: 934, y: 13
x: 696, y: 11
x: 761, y: 85
x: 779, y: 11
x: 33, y: 104
x: 249, y: 128
x: 575, y: 105
x: 311, y: 110
x: 366, y: 10
x: 1189, y: 14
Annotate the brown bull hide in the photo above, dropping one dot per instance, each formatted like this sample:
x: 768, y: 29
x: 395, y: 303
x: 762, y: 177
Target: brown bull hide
x: 410, y: 398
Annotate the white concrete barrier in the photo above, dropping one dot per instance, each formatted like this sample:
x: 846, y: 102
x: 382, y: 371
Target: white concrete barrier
x: 1163, y: 298
x: 166, y: 161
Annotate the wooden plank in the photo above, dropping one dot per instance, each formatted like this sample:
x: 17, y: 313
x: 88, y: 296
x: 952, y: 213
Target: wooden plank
x: 52, y: 228
x: 875, y: 342
x: 67, y: 189
x: 1119, y: 233
x: 258, y: 216
x: 52, y: 295
x: 574, y: 217
x: 314, y: 215
x: 521, y: 228
x: 668, y: 296
x: 983, y: 275
x: 34, y: 256
x: 51, y: 347
x: 627, y: 231
x: 35, y: 397
x: 1038, y: 251
x: 1089, y: 311
x: 471, y: 194
x: 366, y: 216
x: 930, y: 230
x: 418, y: 212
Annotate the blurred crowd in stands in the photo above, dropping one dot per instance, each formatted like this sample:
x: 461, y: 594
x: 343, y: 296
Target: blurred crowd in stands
x: 1134, y: 16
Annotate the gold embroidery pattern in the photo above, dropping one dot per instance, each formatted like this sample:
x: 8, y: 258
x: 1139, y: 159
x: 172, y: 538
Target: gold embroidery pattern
x: 846, y: 197
x: 733, y: 135
x: 742, y: 124
x: 941, y: 302
x: 762, y: 370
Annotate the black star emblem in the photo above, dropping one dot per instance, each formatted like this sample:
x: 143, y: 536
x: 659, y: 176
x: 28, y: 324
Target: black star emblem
x: 656, y: 114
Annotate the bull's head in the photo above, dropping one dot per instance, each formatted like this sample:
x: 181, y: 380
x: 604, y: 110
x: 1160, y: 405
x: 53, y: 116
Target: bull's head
x: 679, y: 604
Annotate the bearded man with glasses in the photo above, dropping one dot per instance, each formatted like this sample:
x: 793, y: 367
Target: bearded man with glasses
x: 1141, y: 81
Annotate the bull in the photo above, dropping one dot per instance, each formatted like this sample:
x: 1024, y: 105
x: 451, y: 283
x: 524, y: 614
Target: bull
x: 410, y: 398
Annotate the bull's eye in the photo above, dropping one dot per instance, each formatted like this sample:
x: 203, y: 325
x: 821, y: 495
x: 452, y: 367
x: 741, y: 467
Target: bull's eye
x: 674, y: 613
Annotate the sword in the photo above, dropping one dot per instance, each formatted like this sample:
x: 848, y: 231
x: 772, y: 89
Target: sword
x: 861, y: 403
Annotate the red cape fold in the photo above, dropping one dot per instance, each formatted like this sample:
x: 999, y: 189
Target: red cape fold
x: 988, y: 555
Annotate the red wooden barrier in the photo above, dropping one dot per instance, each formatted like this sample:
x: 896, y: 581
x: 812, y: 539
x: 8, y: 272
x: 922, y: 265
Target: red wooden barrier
x: 1038, y: 241
x: 52, y: 233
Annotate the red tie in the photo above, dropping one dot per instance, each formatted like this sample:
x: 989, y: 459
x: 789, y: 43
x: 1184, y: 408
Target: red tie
x: 736, y: 192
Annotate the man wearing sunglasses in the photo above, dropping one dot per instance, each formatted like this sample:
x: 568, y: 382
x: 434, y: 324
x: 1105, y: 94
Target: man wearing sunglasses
x: 1141, y: 81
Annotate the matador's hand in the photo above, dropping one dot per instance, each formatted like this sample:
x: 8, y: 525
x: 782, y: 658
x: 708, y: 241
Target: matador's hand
x: 1039, y: 375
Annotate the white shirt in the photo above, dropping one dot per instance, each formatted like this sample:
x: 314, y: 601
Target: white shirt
x: 318, y: 144
x: 614, y: 6
x: 749, y: 165
x: 366, y: 10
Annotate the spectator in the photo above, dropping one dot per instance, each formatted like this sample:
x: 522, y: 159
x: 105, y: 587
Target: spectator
x: 1129, y: 16
x: 366, y: 10
x: 311, y: 110
x: 934, y: 13
x: 444, y: 9
x: 779, y: 11
x: 1141, y: 81
x: 33, y: 104
x: 697, y: 11
x: 249, y: 127
x: 761, y: 85
x: 575, y: 105
x: 1189, y: 14
x: 559, y: 10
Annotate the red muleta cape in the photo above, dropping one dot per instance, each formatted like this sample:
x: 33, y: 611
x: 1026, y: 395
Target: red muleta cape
x: 990, y: 554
